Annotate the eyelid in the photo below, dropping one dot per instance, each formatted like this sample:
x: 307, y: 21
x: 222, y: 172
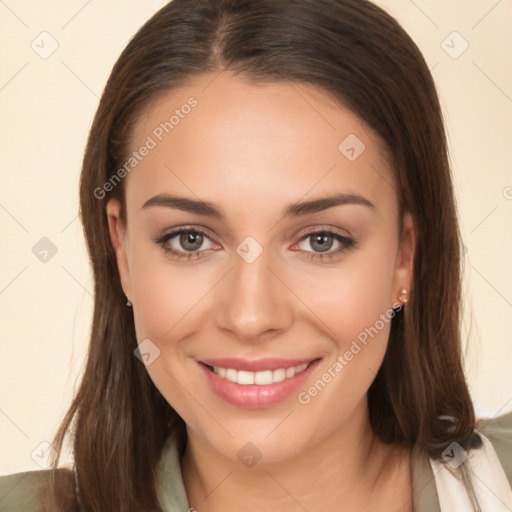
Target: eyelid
x: 324, y: 229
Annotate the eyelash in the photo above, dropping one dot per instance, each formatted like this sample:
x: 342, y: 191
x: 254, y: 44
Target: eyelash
x: 345, y: 244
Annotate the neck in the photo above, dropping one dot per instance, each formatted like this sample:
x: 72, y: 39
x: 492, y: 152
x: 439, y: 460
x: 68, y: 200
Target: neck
x: 343, y: 471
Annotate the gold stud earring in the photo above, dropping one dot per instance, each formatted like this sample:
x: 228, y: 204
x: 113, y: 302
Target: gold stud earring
x: 403, y: 296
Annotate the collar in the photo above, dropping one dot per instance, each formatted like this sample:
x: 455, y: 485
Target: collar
x: 171, y: 489
x: 424, y: 491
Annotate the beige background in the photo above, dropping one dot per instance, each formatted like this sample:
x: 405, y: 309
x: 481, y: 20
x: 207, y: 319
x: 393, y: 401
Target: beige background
x: 47, y: 105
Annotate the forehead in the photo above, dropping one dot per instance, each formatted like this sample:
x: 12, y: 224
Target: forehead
x: 221, y: 134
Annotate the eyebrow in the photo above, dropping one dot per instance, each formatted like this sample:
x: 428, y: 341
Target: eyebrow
x: 292, y: 210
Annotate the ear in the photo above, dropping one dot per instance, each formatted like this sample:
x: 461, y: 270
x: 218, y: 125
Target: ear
x: 403, y: 276
x: 119, y: 239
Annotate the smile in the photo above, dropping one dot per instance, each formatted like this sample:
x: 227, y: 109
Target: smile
x: 261, y: 378
x: 259, y: 383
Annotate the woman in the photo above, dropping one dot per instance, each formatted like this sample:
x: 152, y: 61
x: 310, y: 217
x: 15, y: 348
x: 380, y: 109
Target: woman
x: 269, y: 213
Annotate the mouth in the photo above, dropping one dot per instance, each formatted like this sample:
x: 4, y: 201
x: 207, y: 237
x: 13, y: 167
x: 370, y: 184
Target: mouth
x: 261, y: 378
x: 256, y: 384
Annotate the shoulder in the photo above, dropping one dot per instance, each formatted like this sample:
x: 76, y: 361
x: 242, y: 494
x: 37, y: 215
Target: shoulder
x: 22, y: 492
x: 499, y: 432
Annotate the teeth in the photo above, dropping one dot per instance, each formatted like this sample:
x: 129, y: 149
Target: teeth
x: 245, y: 377
x: 262, y: 378
x: 278, y: 375
x: 290, y: 372
x: 231, y: 374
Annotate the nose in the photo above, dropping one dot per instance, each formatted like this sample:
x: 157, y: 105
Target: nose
x: 254, y: 303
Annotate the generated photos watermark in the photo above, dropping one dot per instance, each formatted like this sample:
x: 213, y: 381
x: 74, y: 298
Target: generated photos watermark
x: 305, y: 397
x: 157, y: 135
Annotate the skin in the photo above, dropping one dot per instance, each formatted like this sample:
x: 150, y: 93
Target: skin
x: 252, y: 150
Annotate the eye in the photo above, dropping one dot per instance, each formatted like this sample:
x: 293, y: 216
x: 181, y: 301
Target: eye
x: 191, y: 243
x: 185, y: 243
x: 322, y: 241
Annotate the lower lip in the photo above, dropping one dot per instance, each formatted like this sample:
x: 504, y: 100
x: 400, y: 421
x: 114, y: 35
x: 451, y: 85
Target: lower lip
x: 255, y: 396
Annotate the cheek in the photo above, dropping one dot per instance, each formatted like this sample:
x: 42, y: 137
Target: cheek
x: 166, y: 296
x: 351, y: 299
x: 167, y: 300
x: 357, y: 312
x: 353, y: 304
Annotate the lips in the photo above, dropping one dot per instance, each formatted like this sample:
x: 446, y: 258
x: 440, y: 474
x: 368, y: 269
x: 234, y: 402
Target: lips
x: 256, y: 384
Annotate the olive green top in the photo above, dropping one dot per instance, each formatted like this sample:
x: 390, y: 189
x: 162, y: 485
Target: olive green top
x: 19, y: 492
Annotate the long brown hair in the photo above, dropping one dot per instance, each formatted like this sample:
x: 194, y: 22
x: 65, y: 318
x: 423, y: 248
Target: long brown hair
x: 360, y: 55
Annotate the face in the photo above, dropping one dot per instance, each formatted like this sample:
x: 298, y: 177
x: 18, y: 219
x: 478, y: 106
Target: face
x: 262, y: 254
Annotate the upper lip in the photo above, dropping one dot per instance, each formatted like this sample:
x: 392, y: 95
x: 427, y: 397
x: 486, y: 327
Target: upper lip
x: 256, y: 365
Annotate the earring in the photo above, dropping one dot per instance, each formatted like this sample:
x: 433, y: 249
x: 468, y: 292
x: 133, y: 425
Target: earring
x: 403, y: 296
x: 128, y: 303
